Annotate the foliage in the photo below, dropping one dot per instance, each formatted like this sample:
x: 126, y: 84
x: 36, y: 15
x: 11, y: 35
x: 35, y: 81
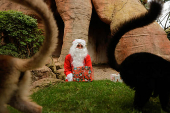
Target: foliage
x: 165, y: 0
x: 168, y: 33
x: 145, y: 1
x: 9, y: 49
x: 19, y: 34
x: 102, y: 96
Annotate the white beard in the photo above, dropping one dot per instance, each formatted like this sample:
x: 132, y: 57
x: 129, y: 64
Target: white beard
x: 78, y: 56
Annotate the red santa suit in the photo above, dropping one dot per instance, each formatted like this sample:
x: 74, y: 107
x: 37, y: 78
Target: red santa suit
x: 76, y: 58
x: 68, y: 63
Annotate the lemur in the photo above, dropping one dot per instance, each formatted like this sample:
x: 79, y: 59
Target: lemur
x: 144, y: 72
x: 15, y: 76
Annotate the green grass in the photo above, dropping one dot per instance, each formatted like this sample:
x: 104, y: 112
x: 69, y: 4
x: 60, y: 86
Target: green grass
x: 92, y: 97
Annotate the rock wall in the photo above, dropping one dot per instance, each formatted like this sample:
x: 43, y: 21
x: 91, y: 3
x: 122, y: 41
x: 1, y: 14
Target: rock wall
x: 99, y: 34
x: 76, y: 16
x: 151, y: 38
x: 94, y: 20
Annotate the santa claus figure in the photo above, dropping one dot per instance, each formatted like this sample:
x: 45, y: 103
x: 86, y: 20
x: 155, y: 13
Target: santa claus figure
x: 78, y: 56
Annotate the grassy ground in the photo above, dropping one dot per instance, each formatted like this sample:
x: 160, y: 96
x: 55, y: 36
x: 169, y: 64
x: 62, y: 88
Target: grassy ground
x: 94, y: 97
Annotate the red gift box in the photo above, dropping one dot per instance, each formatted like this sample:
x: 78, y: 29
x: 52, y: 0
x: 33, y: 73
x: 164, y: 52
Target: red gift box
x: 83, y: 74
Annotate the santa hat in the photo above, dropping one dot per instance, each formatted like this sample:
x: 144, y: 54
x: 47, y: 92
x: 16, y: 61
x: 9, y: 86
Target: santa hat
x: 79, y: 41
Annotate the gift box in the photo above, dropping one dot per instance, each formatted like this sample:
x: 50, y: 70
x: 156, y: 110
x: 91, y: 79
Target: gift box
x: 116, y: 78
x: 83, y: 74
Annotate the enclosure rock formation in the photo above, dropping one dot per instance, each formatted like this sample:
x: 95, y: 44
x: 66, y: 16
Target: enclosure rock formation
x: 94, y: 21
x: 150, y: 38
x: 76, y: 16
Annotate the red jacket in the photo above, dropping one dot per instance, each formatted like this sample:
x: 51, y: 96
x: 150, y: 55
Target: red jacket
x: 68, y: 66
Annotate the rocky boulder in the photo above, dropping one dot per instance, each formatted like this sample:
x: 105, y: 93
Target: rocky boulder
x: 94, y: 21
x: 43, y: 72
x: 151, y: 38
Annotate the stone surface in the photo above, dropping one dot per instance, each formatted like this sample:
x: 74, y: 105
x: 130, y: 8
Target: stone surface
x: 104, y: 9
x: 76, y: 16
x: 41, y: 73
x: 124, y: 10
x: 94, y: 21
x: 60, y: 74
x: 150, y: 38
x: 103, y: 72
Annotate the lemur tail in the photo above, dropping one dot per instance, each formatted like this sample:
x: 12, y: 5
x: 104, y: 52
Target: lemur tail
x: 51, y: 34
x: 136, y: 22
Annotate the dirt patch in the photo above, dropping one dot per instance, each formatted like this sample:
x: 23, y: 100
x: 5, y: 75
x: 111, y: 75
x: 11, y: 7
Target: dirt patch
x: 103, y: 72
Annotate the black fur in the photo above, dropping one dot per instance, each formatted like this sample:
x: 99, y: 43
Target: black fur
x: 146, y: 73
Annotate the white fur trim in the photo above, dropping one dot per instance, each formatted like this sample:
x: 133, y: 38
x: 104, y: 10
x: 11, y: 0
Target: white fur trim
x: 77, y: 41
x: 69, y: 77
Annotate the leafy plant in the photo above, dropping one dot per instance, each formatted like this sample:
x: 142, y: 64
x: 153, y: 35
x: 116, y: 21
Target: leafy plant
x: 168, y: 33
x: 19, y: 34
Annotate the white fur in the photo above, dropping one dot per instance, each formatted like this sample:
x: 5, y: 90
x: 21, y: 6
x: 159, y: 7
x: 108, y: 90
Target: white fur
x: 69, y: 77
x: 77, y: 41
x: 78, y: 55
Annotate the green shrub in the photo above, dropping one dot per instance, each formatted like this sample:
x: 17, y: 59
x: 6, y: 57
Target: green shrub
x: 168, y: 33
x: 20, y: 34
